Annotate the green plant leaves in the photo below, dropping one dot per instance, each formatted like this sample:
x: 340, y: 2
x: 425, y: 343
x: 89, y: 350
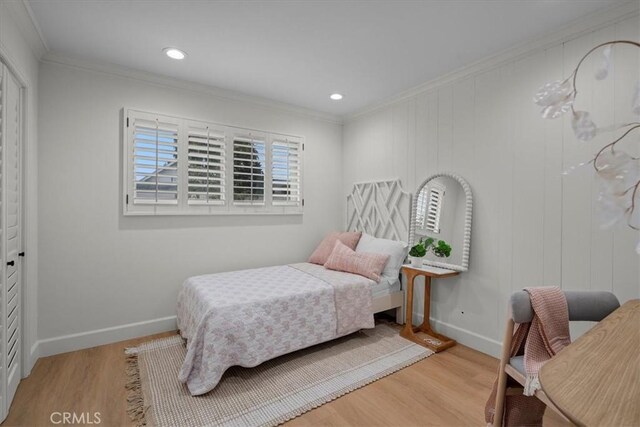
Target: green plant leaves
x: 418, y: 250
x: 440, y: 249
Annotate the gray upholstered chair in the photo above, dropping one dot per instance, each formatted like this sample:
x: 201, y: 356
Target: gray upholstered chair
x: 583, y: 305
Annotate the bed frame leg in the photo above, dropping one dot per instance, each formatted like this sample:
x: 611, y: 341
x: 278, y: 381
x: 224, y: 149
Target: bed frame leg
x: 400, y: 316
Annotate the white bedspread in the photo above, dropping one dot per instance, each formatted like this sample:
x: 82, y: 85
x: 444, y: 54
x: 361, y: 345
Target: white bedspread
x: 247, y: 317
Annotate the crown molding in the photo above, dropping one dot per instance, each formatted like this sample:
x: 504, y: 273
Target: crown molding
x: 21, y: 13
x: 36, y: 26
x: 592, y: 22
x: 52, y: 57
x: 575, y: 29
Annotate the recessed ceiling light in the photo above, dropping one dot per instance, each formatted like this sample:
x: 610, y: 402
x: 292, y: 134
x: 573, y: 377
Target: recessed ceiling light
x: 336, y: 96
x: 174, y: 53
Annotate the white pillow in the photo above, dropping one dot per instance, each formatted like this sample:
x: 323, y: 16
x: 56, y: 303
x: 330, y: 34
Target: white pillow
x: 396, y: 250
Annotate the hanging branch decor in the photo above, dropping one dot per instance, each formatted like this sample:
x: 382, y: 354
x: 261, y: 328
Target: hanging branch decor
x: 618, y: 172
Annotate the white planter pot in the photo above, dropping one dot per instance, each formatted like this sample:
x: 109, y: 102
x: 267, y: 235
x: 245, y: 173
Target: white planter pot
x: 416, y: 261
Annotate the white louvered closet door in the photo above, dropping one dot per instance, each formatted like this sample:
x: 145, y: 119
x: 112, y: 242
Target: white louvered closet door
x: 10, y: 238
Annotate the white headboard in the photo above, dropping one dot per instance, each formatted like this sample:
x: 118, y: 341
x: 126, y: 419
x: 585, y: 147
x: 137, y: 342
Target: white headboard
x: 381, y: 209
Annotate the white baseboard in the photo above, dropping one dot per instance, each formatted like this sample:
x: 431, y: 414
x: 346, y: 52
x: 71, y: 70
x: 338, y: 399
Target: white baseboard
x: 470, y: 339
x: 34, y: 355
x: 82, y: 340
x: 79, y: 341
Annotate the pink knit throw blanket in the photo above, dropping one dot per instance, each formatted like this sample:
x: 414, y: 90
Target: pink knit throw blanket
x: 541, y: 339
x: 548, y: 332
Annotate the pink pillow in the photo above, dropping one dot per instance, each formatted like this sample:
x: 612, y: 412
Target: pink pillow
x: 322, y: 252
x: 366, y: 264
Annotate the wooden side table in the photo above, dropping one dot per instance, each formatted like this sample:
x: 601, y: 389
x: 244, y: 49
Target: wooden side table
x: 434, y: 341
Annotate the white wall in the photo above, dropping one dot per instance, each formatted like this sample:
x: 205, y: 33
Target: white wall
x: 20, y: 48
x: 99, y: 269
x: 531, y: 225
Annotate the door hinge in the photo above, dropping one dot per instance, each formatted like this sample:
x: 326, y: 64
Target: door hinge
x: 127, y: 202
x: 302, y: 147
x: 127, y: 121
x: 302, y: 202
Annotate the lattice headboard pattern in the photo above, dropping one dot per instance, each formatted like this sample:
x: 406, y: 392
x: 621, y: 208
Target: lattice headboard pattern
x: 381, y: 209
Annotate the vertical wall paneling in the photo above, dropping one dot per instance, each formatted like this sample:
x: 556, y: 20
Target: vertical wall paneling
x: 503, y: 216
x: 626, y: 280
x: 532, y: 226
x: 576, y: 189
x: 552, y: 238
x: 598, y: 99
x: 461, y: 154
x: 445, y: 127
x: 409, y: 154
x: 528, y: 195
x: 401, y: 116
x: 489, y: 148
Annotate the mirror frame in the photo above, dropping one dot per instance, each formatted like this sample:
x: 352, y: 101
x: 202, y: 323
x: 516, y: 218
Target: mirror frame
x: 467, y: 221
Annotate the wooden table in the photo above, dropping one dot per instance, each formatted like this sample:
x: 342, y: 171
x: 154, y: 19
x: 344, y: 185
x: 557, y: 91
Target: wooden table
x: 595, y: 381
x: 434, y: 340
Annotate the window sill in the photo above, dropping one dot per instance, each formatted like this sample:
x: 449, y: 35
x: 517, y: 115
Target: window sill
x: 225, y: 213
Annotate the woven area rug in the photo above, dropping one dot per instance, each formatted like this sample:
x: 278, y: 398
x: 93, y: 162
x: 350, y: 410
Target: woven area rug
x: 269, y: 394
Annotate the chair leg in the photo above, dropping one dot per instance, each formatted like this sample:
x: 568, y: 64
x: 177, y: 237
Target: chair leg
x: 502, y: 375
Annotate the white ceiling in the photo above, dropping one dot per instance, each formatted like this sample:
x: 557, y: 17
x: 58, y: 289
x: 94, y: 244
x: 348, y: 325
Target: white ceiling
x: 299, y: 52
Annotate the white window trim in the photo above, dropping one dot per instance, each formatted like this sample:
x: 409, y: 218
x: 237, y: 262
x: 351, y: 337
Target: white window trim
x: 183, y: 207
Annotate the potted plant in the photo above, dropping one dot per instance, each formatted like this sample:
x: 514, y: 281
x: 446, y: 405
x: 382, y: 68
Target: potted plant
x: 417, y: 252
x: 439, y: 248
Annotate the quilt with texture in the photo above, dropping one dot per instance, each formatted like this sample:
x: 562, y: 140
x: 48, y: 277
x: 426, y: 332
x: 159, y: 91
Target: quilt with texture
x: 247, y: 317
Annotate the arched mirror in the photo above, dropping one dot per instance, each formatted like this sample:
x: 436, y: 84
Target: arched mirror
x: 441, y: 217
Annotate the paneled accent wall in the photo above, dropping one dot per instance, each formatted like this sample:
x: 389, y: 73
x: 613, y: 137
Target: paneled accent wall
x: 532, y: 226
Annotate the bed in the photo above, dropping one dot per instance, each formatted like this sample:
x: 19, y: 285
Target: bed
x: 250, y: 316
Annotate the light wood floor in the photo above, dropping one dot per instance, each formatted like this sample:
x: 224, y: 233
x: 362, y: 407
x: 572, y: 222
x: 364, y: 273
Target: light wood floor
x: 446, y: 389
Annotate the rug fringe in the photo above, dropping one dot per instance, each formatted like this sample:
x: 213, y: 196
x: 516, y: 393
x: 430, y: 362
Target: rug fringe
x: 136, y: 408
x: 141, y: 414
x: 131, y: 350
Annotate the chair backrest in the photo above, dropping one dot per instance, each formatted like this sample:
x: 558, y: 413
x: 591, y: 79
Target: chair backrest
x: 583, y: 305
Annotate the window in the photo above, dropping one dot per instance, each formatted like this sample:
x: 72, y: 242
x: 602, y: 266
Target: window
x: 155, y: 159
x: 249, y: 162
x: 206, y: 165
x: 175, y: 166
x: 285, y: 172
x: 429, y: 208
x: 421, y: 208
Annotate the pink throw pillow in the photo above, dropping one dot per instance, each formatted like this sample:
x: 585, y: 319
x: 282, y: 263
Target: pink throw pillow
x: 322, y: 252
x: 366, y: 264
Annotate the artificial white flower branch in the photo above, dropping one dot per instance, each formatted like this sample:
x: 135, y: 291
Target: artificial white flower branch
x: 619, y: 172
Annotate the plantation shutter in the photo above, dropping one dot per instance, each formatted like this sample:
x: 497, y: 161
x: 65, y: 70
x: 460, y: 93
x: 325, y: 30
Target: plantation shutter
x: 421, y: 209
x: 155, y: 161
x: 180, y: 166
x: 286, y: 172
x: 206, y: 165
x: 434, y: 208
x: 249, y: 161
